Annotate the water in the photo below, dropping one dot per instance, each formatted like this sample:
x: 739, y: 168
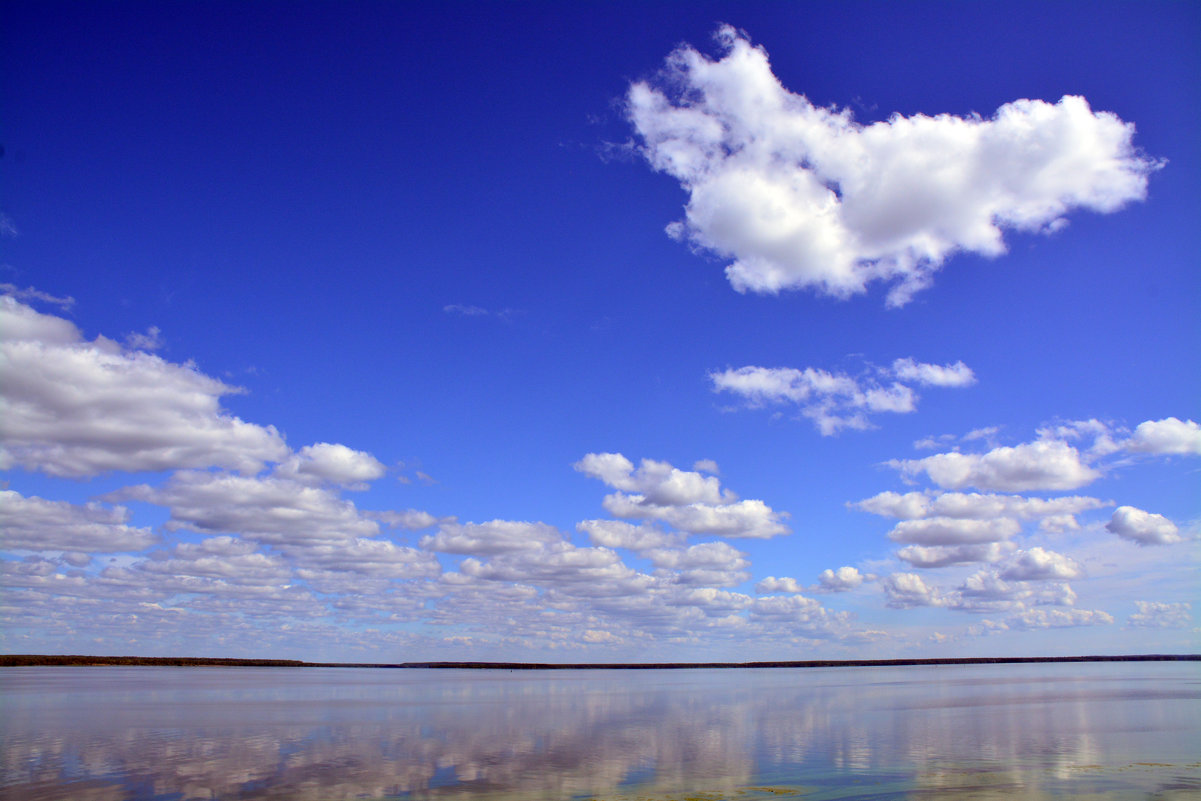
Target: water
x: 1111, y: 730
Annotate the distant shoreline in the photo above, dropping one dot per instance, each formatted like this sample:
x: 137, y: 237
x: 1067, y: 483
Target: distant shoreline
x: 53, y: 660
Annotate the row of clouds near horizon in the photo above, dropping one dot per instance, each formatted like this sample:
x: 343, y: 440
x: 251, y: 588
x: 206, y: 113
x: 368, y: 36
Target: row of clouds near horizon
x: 223, y: 537
x: 263, y: 542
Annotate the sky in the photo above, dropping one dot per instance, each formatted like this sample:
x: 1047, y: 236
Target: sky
x: 600, y: 332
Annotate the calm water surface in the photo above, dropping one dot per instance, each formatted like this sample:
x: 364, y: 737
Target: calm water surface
x: 1116, y: 730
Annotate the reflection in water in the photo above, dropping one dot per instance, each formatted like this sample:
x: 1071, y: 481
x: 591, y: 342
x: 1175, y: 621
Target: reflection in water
x: 1013, y: 731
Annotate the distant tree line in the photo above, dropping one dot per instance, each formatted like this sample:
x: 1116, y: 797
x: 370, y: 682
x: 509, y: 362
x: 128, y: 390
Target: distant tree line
x: 20, y: 660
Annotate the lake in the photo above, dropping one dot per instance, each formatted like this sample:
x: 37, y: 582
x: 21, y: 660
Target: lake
x: 1104, y: 730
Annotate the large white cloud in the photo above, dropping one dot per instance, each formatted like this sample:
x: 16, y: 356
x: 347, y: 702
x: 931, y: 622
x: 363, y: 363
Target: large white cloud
x: 1168, y: 436
x: 835, y: 401
x: 1144, y: 528
x: 974, y: 505
x: 804, y: 197
x: 69, y: 407
x: 37, y: 524
x: 327, y: 462
x: 1038, y: 465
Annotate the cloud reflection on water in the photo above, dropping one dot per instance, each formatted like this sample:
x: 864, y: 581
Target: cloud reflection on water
x: 151, y: 733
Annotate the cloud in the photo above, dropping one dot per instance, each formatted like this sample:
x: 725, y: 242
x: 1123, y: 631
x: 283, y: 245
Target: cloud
x: 270, y: 510
x: 1058, y: 618
x: 975, y: 506
x: 151, y: 340
x: 1157, y: 614
x: 74, y: 408
x: 953, y: 531
x: 840, y: 580
x: 1143, y: 528
x: 905, y: 590
x: 495, y: 537
x: 1167, y: 436
x: 804, y: 197
x: 837, y: 401
x: 1038, y: 465
x: 331, y: 463
x: 1039, y: 564
x: 922, y: 556
x: 36, y: 524
x: 687, y: 500
x: 771, y: 584
x: 619, y: 534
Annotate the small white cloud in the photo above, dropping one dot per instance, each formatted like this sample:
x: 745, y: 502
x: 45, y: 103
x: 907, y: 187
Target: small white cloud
x: 804, y: 197
x: 841, y: 580
x: 771, y: 584
x: 332, y: 463
x: 1039, y: 564
x: 1143, y: 528
x: 1157, y: 614
x: 837, y: 401
x: 905, y: 590
x: 151, y: 340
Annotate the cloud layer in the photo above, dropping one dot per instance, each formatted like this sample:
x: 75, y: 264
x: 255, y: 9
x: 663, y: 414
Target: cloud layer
x: 804, y: 197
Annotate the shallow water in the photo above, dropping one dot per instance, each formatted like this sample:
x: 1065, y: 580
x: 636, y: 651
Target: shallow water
x: 1109, y: 730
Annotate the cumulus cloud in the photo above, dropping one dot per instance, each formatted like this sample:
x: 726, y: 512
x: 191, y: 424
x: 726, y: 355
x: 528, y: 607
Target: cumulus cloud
x: 619, y: 534
x: 905, y: 590
x: 1157, y: 614
x: 922, y: 556
x: 1168, y: 436
x: 36, y: 524
x: 1042, y: 618
x: 1039, y: 564
x: 266, y: 509
x: 837, y: 401
x: 977, y: 506
x: 1038, y: 465
x: 331, y: 463
x: 1143, y: 528
x: 804, y: 197
x: 69, y: 407
x: 686, y: 500
x: 840, y: 580
x: 771, y: 584
x: 953, y: 531
x: 494, y: 537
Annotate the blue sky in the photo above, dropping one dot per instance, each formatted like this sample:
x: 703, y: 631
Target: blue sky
x: 600, y: 331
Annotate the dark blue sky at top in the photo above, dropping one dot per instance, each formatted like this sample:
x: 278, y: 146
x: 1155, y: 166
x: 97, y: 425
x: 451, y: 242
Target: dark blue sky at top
x: 294, y: 192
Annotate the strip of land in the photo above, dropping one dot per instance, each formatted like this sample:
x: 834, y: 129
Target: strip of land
x: 28, y: 660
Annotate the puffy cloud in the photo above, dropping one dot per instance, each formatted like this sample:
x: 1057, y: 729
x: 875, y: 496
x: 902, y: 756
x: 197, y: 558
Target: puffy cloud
x: 835, y: 401
x: 1039, y: 465
x: 1143, y: 528
x: 331, y: 463
x: 1168, y: 436
x: 953, y: 531
x: 1157, y: 614
x: 74, y: 408
x: 36, y: 524
x: 934, y: 375
x: 412, y: 519
x: 689, y: 501
x: 746, y: 518
x: 772, y: 584
x: 1039, y: 564
x: 270, y: 510
x: 619, y: 534
x: 973, y: 505
x: 657, y: 482
x: 494, y: 537
x: 804, y: 197
x: 840, y: 580
x: 905, y: 590
x: 943, y: 555
x: 1058, y: 618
